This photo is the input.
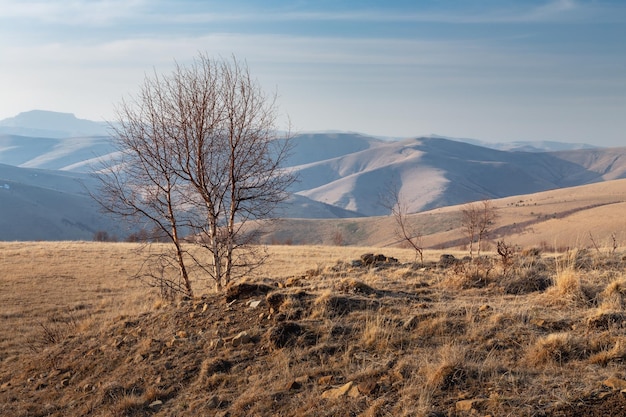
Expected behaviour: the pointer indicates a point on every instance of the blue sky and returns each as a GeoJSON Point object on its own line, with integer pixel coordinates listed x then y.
{"type": "Point", "coordinates": [496, 70]}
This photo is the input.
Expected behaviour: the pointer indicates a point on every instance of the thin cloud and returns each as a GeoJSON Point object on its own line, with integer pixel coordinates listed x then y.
{"type": "Point", "coordinates": [72, 12]}
{"type": "Point", "coordinates": [82, 12]}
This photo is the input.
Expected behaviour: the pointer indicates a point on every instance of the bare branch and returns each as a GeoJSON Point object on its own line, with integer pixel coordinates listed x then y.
{"type": "Point", "coordinates": [198, 156]}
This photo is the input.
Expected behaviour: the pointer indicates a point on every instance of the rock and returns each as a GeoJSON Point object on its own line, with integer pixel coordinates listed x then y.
{"type": "Point", "coordinates": [325, 380]}
{"type": "Point", "coordinates": [242, 290]}
{"type": "Point", "coordinates": [339, 392]}
{"type": "Point", "coordinates": [241, 339]}
{"type": "Point", "coordinates": [615, 383]}
{"type": "Point", "coordinates": [254, 304]}
{"type": "Point", "coordinates": [367, 258]}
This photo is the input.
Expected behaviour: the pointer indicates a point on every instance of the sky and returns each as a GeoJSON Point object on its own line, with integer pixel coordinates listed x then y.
{"type": "Point", "coordinates": [494, 70]}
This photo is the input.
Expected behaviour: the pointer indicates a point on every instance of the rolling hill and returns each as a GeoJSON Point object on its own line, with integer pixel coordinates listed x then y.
{"type": "Point", "coordinates": [340, 175]}
{"type": "Point", "coordinates": [583, 216]}
{"type": "Point", "coordinates": [49, 205]}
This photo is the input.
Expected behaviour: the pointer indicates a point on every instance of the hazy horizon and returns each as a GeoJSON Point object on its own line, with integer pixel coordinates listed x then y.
{"type": "Point", "coordinates": [497, 71]}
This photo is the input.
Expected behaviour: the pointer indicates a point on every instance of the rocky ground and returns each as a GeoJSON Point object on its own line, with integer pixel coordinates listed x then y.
{"type": "Point", "coordinates": [360, 338]}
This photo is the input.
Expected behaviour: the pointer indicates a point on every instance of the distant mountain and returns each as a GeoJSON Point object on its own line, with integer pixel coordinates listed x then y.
{"type": "Point", "coordinates": [48, 124]}
{"type": "Point", "coordinates": [78, 154]}
{"type": "Point", "coordinates": [50, 205]}
{"type": "Point", "coordinates": [37, 204]}
{"type": "Point", "coordinates": [523, 146]}
{"type": "Point", "coordinates": [433, 172]}
{"type": "Point", "coordinates": [340, 175]}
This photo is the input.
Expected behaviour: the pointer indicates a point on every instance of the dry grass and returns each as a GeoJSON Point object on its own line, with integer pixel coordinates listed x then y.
{"type": "Point", "coordinates": [79, 338]}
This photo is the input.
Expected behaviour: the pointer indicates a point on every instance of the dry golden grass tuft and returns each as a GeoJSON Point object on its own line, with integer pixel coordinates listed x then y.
{"type": "Point", "coordinates": [538, 338]}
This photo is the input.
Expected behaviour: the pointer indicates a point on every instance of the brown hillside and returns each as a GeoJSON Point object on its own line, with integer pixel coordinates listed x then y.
{"type": "Point", "coordinates": [567, 217]}
{"type": "Point", "coordinates": [314, 334]}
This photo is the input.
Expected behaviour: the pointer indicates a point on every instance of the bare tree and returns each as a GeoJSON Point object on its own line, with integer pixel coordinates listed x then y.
{"type": "Point", "coordinates": [477, 220]}
{"type": "Point", "coordinates": [200, 157]}
{"type": "Point", "coordinates": [395, 202]}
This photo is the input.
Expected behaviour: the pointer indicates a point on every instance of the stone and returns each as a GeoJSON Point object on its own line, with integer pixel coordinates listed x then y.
{"type": "Point", "coordinates": [615, 383]}
{"type": "Point", "coordinates": [339, 392]}
{"type": "Point", "coordinates": [325, 380]}
{"type": "Point", "coordinates": [238, 291]}
{"type": "Point", "coordinates": [241, 339]}
{"type": "Point", "coordinates": [367, 258]}
{"type": "Point", "coordinates": [254, 304]}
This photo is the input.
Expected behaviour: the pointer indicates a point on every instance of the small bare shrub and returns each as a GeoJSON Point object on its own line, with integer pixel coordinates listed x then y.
{"type": "Point", "coordinates": [506, 252]}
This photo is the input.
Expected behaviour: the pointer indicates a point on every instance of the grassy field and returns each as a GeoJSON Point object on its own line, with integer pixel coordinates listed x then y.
{"type": "Point", "coordinates": [542, 335]}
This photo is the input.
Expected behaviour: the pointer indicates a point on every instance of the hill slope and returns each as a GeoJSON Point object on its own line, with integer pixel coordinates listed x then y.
{"type": "Point", "coordinates": [341, 175]}
{"type": "Point", "coordinates": [568, 217]}
{"type": "Point", "coordinates": [340, 339]}
{"type": "Point", "coordinates": [49, 205]}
